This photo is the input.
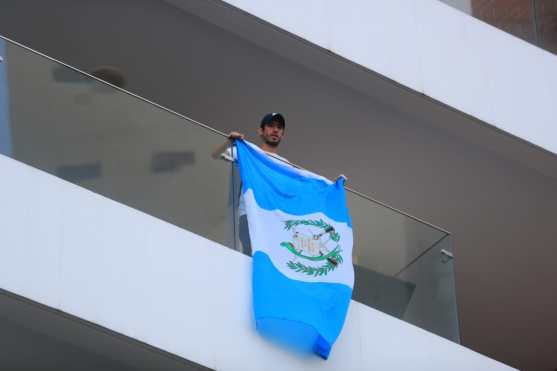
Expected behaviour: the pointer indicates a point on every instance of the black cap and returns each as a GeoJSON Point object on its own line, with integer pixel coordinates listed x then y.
{"type": "Point", "coordinates": [270, 117]}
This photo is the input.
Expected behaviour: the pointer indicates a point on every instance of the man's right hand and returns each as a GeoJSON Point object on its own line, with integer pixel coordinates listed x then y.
{"type": "Point", "coordinates": [219, 150]}
{"type": "Point", "coordinates": [235, 135]}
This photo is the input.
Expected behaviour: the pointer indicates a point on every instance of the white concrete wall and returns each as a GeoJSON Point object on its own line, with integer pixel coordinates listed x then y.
{"type": "Point", "coordinates": [94, 258]}
{"type": "Point", "coordinates": [436, 50]}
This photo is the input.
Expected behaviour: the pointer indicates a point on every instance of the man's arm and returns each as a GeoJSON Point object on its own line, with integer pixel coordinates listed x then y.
{"type": "Point", "coordinates": [220, 149]}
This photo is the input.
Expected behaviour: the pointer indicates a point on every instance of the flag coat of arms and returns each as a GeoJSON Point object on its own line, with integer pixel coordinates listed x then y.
{"type": "Point", "coordinates": [301, 238]}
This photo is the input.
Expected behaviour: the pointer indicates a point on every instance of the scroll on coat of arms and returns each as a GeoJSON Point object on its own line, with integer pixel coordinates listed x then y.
{"type": "Point", "coordinates": [301, 237]}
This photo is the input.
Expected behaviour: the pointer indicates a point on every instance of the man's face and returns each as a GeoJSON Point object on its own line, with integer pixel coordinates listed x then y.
{"type": "Point", "coordinates": [272, 133]}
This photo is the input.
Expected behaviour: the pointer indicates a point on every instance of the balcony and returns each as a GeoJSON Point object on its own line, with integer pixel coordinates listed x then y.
{"type": "Point", "coordinates": [93, 136]}
{"type": "Point", "coordinates": [157, 161]}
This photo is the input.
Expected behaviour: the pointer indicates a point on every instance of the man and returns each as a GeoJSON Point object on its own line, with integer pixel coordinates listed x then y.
{"type": "Point", "coordinates": [271, 132]}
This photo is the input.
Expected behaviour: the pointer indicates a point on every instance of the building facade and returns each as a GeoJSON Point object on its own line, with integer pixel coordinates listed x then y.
{"type": "Point", "coordinates": [434, 113]}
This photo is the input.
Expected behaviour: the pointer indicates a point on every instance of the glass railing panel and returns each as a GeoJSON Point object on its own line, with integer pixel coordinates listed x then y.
{"type": "Point", "coordinates": [385, 240]}
{"type": "Point", "coordinates": [91, 134]}
{"type": "Point", "coordinates": [433, 303]}
{"type": "Point", "coordinates": [137, 153]}
{"type": "Point", "coordinates": [391, 252]}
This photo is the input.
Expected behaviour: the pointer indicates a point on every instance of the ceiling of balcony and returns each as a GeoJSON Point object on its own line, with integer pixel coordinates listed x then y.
{"type": "Point", "coordinates": [34, 337]}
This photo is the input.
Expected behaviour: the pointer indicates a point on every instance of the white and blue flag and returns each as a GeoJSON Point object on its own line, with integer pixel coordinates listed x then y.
{"type": "Point", "coordinates": [301, 237]}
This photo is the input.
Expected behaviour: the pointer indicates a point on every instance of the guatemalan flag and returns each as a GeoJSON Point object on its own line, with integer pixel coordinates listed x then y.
{"type": "Point", "coordinates": [301, 238]}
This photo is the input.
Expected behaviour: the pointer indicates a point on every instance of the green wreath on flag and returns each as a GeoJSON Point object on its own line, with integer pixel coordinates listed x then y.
{"type": "Point", "coordinates": [316, 271]}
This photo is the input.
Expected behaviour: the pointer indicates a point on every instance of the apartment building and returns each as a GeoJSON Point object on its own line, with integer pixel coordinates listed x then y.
{"type": "Point", "coordinates": [120, 247]}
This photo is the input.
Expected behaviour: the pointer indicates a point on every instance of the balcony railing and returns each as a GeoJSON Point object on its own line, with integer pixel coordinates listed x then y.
{"type": "Point", "coordinates": [72, 125]}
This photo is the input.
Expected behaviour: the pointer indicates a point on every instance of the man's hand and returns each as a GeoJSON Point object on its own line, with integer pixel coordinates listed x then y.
{"type": "Point", "coordinates": [235, 135]}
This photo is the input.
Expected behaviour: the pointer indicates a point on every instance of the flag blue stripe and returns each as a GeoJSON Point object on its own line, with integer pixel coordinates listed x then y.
{"type": "Point", "coordinates": [303, 315]}
{"type": "Point", "coordinates": [288, 190]}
